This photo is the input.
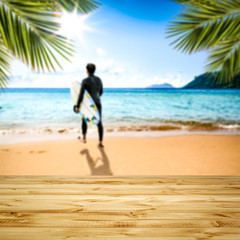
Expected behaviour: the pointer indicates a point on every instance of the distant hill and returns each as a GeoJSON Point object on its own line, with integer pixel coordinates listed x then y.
{"type": "Point", "coordinates": [164, 85]}
{"type": "Point", "coordinates": [206, 81]}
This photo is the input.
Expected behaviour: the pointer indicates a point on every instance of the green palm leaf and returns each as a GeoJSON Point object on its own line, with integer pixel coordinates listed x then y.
{"type": "Point", "coordinates": [5, 60]}
{"type": "Point", "coordinates": [212, 25]}
{"type": "Point", "coordinates": [82, 6]}
{"type": "Point", "coordinates": [29, 30]}
{"type": "Point", "coordinates": [30, 35]}
{"type": "Point", "coordinates": [225, 57]}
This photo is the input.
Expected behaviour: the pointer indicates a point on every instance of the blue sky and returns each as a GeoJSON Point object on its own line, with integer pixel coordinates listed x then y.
{"type": "Point", "coordinates": [127, 42]}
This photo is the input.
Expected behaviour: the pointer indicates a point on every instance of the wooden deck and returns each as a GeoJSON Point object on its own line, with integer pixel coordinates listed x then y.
{"type": "Point", "coordinates": [164, 207]}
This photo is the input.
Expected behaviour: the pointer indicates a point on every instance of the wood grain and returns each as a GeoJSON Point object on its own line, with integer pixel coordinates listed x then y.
{"type": "Point", "coordinates": [154, 207]}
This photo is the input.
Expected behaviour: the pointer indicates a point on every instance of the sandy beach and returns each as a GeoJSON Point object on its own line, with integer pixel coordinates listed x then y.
{"type": "Point", "coordinates": [168, 155]}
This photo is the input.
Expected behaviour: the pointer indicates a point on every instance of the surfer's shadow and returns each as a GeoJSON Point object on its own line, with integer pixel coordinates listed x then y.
{"type": "Point", "coordinates": [99, 166]}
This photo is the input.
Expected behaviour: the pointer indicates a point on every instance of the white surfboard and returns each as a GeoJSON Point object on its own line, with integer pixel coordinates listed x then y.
{"type": "Point", "coordinates": [88, 107]}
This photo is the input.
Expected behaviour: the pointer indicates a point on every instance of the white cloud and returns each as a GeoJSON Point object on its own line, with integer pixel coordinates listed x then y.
{"type": "Point", "coordinates": [112, 73]}
{"type": "Point", "coordinates": [43, 81]}
{"type": "Point", "coordinates": [101, 52]}
{"type": "Point", "coordinates": [104, 65]}
{"type": "Point", "coordinates": [108, 70]}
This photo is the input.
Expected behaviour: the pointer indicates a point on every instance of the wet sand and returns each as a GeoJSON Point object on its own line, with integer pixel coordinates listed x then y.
{"type": "Point", "coordinates": [169, 155]}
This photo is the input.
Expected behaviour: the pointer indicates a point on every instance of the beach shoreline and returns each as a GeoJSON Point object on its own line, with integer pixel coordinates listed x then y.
{"type": "Point", "coordinates": [28, 137]}
{"type": "Point", "coordinates": [182, 154]}
{"type": "Point", "coordinates": [187, 126]}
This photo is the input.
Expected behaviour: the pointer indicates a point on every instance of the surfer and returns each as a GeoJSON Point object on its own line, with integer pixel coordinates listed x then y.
{"type": "Point", "coordinates": [94, 86]}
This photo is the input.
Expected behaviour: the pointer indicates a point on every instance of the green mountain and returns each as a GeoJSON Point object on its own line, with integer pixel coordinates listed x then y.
{"type": "Point", "coordinates": [207, 80]}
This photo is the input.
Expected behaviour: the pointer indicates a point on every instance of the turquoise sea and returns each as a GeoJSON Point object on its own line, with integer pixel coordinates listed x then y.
{"type": "Point", "coordinates": [123, 109]}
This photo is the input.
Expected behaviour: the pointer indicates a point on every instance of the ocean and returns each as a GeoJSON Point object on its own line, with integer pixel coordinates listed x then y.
{"type": "Point", "coordinates": [51, 110]}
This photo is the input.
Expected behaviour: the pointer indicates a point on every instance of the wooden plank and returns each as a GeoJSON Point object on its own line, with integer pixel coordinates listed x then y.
{"type": "Point", "coordinates": [110, 187]}
{"type": "Point", "coordinates": [111, 191]}
{"type": "Point", "coordinates": [147, 198]}
{"type": "Point", "coordinates": [65, 205]}
{"type": "Point", "coordinates": [120, 233]}
{"type": "Point", "coordinates": [135, 179]}
{"type": "Point", "coordinates": [124, 215]}
{"type": "Point", "coordinates": [74, 221]}
{"type": "Point", "coordinates": [178, 180]}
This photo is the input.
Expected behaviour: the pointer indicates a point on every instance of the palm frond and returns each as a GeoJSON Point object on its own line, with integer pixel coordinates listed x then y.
{"type": "Point", "coordinates": [5, 61]}
{"type": "Point", "coordinates": [198, 28]}
{"type": "Point", "coordinates": [226, 58]}
{"type": "Point", "coordinates": [205, 24]}
{"type": "Point", "coordinates": [31, 30]}
{"type": "Point", "coordinates": [195, 2]}
{"type": "Point", "coordinates": [82, 6]}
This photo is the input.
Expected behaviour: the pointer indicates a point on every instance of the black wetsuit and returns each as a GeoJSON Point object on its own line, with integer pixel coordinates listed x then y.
{"type": "Point", "coordinates": [94, 86]}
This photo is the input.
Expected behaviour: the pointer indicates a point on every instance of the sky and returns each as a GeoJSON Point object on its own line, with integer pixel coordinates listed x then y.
{"type": "Point", "coordinates": [126, 40]}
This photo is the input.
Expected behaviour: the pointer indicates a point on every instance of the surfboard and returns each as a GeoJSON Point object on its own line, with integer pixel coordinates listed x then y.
{"type": "Point", "coordinates": [88, 108]}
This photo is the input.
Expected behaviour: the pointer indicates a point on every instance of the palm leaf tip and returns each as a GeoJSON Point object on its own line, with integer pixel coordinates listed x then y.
{"type": "Point", "coordinates": [5, 62]}
{"type": "Point", "coordinates": [81, 6]}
